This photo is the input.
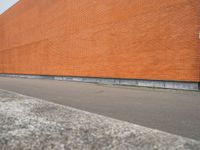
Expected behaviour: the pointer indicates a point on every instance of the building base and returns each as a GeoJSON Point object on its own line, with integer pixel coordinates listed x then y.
{"type": "Point", "coordinates": [117, 81]}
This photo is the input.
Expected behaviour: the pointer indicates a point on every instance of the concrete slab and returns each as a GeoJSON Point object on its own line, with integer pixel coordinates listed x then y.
{"type": "Point", "coordinates": [30, 123]}
{"type": "Point", "coordinates": [117, 81]}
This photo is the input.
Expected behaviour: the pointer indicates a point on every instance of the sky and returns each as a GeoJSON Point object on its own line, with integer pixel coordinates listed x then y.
{"type": "Point", "coordinates": [5, 4]}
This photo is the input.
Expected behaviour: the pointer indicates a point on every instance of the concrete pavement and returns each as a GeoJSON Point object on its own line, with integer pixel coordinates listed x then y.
{"type": "Point", "coordinates": [30, 123]}
{"type": "Point", "coordinates": [176, 112]}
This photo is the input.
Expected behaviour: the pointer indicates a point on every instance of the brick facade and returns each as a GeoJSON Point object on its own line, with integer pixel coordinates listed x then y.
{"type": "Point", "coordinates": [137, 39]}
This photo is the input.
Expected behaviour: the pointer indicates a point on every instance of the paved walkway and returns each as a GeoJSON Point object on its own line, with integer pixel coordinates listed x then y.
{"type": "Point", "coordinates": [176, 112]}
{"type": "Point", "coordinates": [30, 123]}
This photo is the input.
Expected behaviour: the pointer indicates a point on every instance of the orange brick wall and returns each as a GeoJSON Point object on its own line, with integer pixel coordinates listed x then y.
{"type": "Point", "coordinates": [140, 39]}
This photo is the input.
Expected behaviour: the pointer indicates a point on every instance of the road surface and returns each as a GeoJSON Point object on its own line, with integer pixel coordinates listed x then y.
{"type": "Point", "coordinates": [172, 111]}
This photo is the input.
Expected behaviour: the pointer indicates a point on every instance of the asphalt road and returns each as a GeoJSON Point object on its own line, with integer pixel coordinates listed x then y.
{"type": "Point", "coordinates": [172, 111]}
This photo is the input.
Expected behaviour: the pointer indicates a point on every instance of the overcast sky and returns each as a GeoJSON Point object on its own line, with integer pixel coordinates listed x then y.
{"type": "Point", "coordinates": [5, 4]}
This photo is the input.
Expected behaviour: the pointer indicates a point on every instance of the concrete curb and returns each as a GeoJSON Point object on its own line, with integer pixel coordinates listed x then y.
{"type": "Point", "coordinates": [115, 81]}
{"type": "Point", "coordinates": [30, 123]}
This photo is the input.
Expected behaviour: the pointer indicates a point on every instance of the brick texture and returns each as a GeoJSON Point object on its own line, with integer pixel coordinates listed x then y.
{"type": "Point", "coordinates": [138, 39]}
